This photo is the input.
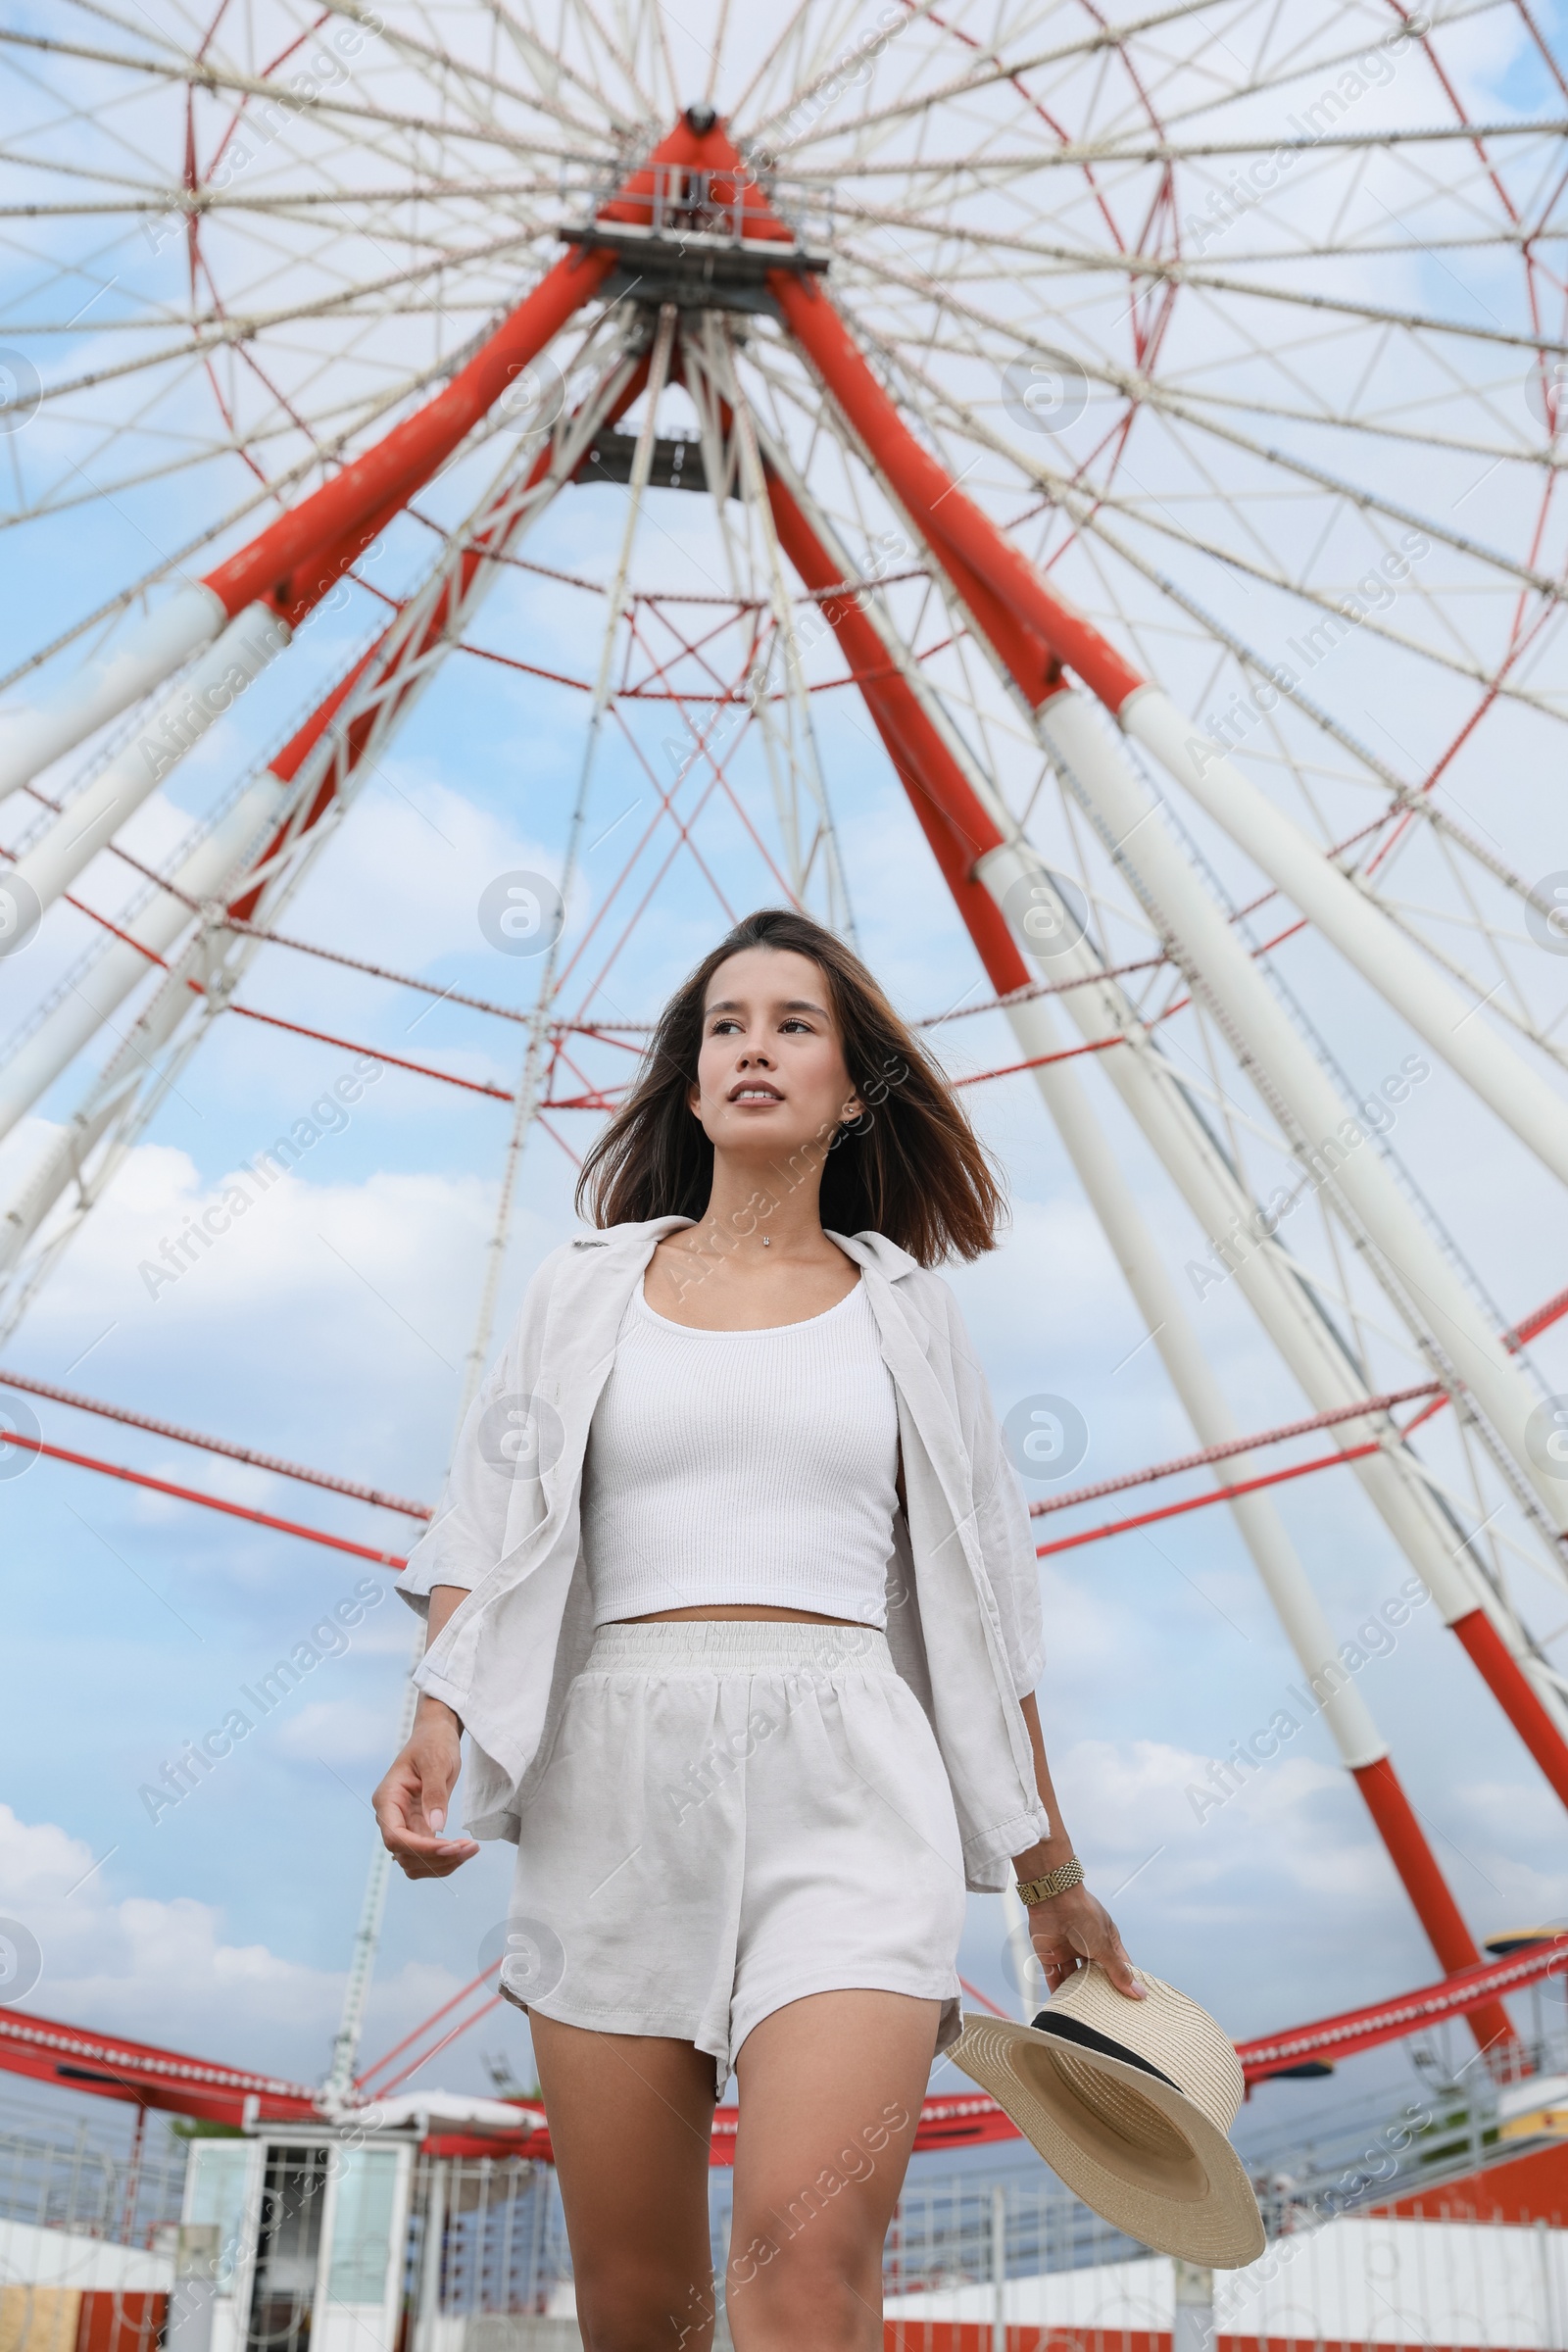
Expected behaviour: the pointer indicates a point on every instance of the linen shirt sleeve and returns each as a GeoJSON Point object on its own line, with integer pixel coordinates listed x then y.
{"type": "Point", "coordinates": [1001, 1513]}
{"type": "Point", "coordinates": [468, 1533]}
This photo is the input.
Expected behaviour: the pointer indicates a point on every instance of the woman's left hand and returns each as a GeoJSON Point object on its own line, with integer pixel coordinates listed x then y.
{"type": "Point", "coordinates": [1073, 1928]}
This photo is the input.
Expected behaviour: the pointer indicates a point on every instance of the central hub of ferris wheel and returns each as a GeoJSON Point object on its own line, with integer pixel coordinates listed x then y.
{"type": "Point", "coordinates": [692, 227]}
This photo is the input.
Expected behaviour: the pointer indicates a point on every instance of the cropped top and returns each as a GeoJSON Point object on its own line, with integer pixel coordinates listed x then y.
{"type": "Point", "coordinates": [742, 1466]}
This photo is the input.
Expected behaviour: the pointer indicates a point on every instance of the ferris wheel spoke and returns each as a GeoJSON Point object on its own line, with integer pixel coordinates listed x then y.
{"type": "Point", "coordinates": [1142, 267]}
{"type": "Point", "coordinates": [301, 202]}
{"type": "Point", "coordinates": [1072, 155]}
{"type": "Point", "coordinates": [270, 493]}
{"type": "Point", "coordinates": [991, 69]}
{"type": "Point", "coordinates": [1088, 505]}
{"type": "Point", "coordinates": [1279, 77]}
{"type": "Point", "coordinates": [218, 332]}
{"type": "Point", "coordinates": [597, 35]}
{"type": "Point", "coordinates": [460, 72]}
{"type": "Point", "coordinates": [1154, 395]}
{"type": "Point", "coordinates": [214, 77]}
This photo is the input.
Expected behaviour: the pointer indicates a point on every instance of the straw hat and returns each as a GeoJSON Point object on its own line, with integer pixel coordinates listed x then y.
{"type": "Point", "coordinates": [1129, 2102]}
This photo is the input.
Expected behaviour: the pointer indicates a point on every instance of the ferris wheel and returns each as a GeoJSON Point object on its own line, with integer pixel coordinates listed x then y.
{"type": "Point", "coordinates": [1151, 425]}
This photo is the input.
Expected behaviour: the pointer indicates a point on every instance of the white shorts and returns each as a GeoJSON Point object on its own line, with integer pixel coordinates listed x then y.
{"type": "Point", "coordinates": [735, 1813]}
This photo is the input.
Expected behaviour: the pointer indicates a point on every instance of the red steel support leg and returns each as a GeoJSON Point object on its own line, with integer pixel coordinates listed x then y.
{"type": "Point", "coordinates": [959, 831]}
{"type": "Point", "coordinates": [292, 757]}
{"type": "Point", "coordinates": [1513, 1692]}
{"type": "Point", "coordinates": [946, 519]}
{"type": "Point", "coordinates": [297, 558]}
{"type": "Point", "coordinates": [1427, 1889]}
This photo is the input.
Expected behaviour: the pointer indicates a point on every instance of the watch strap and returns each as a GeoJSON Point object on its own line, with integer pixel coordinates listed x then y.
{"type": "Point", "coordinates": [1054, 1882]}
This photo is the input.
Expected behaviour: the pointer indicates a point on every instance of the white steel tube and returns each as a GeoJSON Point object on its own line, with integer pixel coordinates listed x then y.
{"type": "Point", "coordinates": [34, 732]}
{"type": "Point", "coordinates": [60, 1037]}
{"type": "Point", "coordinates": [1356, 924]}
{"type": "Point", "coordinates": [1271, 1288]}
{"type": "Point", "coordinates": [1290, 1077]}
{"type": "Point", "coordinates": [1166, 1314]}
{"type": "Point", "coordinates": [252, 640]}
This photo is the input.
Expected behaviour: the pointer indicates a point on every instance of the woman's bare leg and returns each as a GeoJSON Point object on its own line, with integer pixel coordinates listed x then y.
{"type": "Point", "coordinates": [830, 2088]}
{"type": "Point", "coordinates": [631, 2120]}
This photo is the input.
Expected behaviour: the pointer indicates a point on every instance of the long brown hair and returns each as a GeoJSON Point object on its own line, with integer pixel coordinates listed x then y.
{"type": "Point", "coordinates": [910, 1166]}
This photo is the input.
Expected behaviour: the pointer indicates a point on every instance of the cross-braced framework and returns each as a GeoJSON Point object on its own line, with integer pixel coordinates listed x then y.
{"type": "Point", "coordinates": [1149, 428]}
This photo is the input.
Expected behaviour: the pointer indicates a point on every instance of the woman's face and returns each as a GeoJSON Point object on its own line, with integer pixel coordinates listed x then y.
{"type": "Point", "coordinates": [770, 1071]}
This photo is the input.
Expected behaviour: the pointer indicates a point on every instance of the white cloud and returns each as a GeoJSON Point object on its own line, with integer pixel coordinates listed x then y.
{"type": "Point", "coordinates": [164, 1971]}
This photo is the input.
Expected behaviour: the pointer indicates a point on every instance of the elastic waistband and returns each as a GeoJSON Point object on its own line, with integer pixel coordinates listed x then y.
{"type": "Point", "coordinates": [737, 1645]}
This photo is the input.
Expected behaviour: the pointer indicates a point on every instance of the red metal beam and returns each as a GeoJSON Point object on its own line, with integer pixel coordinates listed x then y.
{"type": "Point", "coordinates": [1229, 1447]}
{"type": "Point", "coordinates": [1357, 2030]}
{"type": "Point", "coordinates": [296, 559]}
{"type": "Point", "coordinates": [111, 2067]}
{"type": "Point", "coordinates": [224, 1445]}
{"type": "Point", "coordinates": [362, 2082]}
{"type": "Point", "coordinates": [971, 546]}
{"type": "Point", "coordinates": [1517, 1695]}
{"type": "Point", "coordinates": [396, 1061]}
{"type": "Point", "coordinates": [1202, 1503]}
{"type": "Point", "coordinates": [208, 1502]}
{"type": "Point", "coordinates": [491, 541]}
{"type": "Point", "coordinates": [1428, 1893]}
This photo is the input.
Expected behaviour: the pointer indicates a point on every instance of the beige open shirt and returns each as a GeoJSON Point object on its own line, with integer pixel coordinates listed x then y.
{"type": "Point", "coordinates": [963, 1592]}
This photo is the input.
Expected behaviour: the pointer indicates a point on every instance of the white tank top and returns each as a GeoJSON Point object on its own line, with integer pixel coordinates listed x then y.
{"type": "Point", "coordinates": [742, 1466]}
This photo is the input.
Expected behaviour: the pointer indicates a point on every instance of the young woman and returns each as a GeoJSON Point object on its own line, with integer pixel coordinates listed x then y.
{"type": "Point", "coordinates": [734, 1592]}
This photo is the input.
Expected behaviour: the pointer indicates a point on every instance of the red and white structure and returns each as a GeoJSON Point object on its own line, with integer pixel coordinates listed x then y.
{"type": "Point", "coordinates": [1029, 399]}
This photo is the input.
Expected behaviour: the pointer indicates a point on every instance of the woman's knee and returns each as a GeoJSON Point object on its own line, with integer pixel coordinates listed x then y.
{"type": "Point", "coordinates": [827, 2293]}
{"type": "Point", "coordinates": [626, 2303]}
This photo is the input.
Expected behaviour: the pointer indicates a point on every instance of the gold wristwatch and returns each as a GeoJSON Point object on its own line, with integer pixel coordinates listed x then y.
{"type": "Point", "coordinates": [1055, 1881]}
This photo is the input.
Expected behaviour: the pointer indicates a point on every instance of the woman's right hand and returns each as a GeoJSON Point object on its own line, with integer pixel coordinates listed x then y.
{"type": "Point", "coordinates": [410, 1803]}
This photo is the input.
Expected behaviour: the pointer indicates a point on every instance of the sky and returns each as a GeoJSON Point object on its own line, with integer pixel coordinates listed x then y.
{"type": "Point", "coordinates": [329, 1328]}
